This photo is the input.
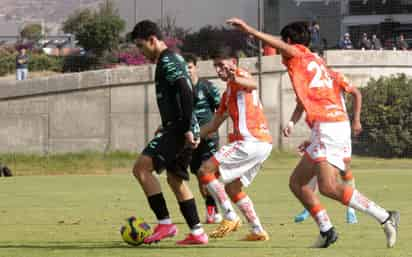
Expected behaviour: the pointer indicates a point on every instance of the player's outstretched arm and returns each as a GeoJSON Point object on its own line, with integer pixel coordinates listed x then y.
{"type": "Point", "coordinates": [296, 115]}
{"type": "Point", "coordinates": [285, 49]}
{"type": "Point", "coordinates": [357, 106]}
{"type": "Point", "coordinates": [212, 126]}
{"type": "Point", "coordinates": [246, 82]}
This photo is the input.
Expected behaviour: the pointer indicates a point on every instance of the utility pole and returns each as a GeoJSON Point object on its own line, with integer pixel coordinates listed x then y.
{"type": "Point", "coordinates": [260, 28]}
{"type": "Point", "coordinates": [134, 13]}
{"type": "Point", "coordinates": [161, 14]}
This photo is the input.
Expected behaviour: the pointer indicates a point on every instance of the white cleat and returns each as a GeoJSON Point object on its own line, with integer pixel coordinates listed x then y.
{"type": "Point", "coordinates": [390, 227]}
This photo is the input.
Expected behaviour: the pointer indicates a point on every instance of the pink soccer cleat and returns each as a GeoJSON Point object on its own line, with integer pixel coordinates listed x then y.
{"type": "Point", "coordinates": [191, 239]}
{"type": "Point", "coordinates": [160, 232]}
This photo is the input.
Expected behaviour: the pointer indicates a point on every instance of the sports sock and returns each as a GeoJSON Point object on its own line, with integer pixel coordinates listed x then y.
{"type": "Point", "coordinates": [189, 212]}
{"type": "Point", "coordinates": [245, 204]}
{"type": "Point", "coordinates": [158, 205]}
{"type": "Point", "coordinates": [217, 190]}
{"type": "Point", "coordinates": [354, 199]}
{"type": "Point", "coordinates": [349, 180]}
{"type": "Point", "coordinates": [321, 217]}
{"type": "Point", "coordinates": [211, 202]}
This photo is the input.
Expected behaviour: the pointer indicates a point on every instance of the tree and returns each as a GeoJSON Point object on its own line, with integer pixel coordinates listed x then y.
{"type": "Point", "coordinates": [32, 32]}
{"type": "Point", "coordinates": [204, 42]}
{"type": "Point", "coordinates": [97, 31]}
{"type": "Point", "coordinates": [76, 21]}
{"type": "Point", "coordinates": [386, 118]}
{"type": "Point", "coordinates": [171, 30]}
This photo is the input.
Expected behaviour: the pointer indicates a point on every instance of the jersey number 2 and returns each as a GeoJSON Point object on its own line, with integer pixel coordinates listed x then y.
{"type": "Point", "coordinates": [321, 78]}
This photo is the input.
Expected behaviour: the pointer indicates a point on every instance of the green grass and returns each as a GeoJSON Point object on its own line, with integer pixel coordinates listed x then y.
{"type": "Point", "coordinates": [80, 215]}
{"type": "Point", "coordinates": [75, 163]}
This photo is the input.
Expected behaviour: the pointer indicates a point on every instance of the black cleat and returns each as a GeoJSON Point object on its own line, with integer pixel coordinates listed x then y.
{"type": "Point", "coordinates": [325, 239]}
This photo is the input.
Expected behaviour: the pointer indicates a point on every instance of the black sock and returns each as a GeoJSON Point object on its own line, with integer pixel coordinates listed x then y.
{"type": "Point", "coordinates": [210, 201]}
{"type": "Point", "coordinates": [158, 204]}
{"type": "Point", "coordinates": [189, 212]}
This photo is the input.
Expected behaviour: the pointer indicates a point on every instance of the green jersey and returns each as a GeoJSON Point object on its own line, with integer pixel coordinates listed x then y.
{"type": "Point", "coordinates": [172, 81]}
{"type": "Point", "coordinates": [206, 101]}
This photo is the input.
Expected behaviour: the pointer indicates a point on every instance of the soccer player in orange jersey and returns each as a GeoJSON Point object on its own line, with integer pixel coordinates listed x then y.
{"type": "Point", "coordinates": [346, 175]}
{"type": "Point", "coordinates": [317, 89]}
{"type": "Point", "coordinates": [237, 163]}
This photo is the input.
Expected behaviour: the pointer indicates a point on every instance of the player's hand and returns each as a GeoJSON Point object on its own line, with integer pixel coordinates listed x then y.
{"type": "Point", "coordinates": [356, 127]}
{"type": "Point", "coordinates": [239, 24]}
{"type": "Point", "coordinates": [231, 73]}
{"type": "Point", "coordinates": [158, 130]}
{"type": "Point", "coordinates": [191, 140]}
{"type": "Point", "coordinates": [287, 131]}
{"type": "Point", "coordinates": [302, 147]}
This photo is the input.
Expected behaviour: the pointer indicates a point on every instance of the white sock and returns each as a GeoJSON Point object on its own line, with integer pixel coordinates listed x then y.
{"type": "Point", "coordinates": [165, 221]}
{"type": "Point", "coordinates": [197, 230]}
{"type": "Point", "coordinates": [217, 190]}
{"type": "Point", "coordinates": [361, 203]}
{"type": "Point", "coordinates": [323, 220]}
{"type": "Point", "coordinates": [246, 207]}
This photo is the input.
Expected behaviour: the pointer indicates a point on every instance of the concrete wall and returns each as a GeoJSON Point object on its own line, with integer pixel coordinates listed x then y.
{"type": "Point", "coordinates": [115, 109]}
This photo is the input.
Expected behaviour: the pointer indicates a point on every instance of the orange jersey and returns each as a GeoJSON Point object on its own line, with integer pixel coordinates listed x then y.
{"type": "Point", "coordinates": [318, 89]}
{"type": "Point", "coordinates": [246, 112]}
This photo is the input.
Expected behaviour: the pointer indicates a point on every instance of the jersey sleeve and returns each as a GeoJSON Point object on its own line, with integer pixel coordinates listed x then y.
{"type": "Point", "coordinates": [341, 81]}
{"type": "Point", "coordinates": [243, 74]}
{"type": "Point", "coordinates": [172, 68]}
{"type": "Point", "coordinates": [222, 107]}
{"type": "Point", "coordinates": [214, 96]}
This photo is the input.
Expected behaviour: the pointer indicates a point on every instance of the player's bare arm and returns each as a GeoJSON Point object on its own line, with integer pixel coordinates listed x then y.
{"type": "Point", "coordinates": [212, 126]}
{"type": "Point", "coordinates": [286, 49]}
{"type": "Point", "coordinates": [296, 115]}
{"type": "Point", "coordinates": [357, 106]}
{"type": "Point", "coordinates": [246, 82]}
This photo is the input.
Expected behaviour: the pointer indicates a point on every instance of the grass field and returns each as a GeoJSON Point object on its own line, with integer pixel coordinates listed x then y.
{"type": "Point", "coordinates": [80, 214]}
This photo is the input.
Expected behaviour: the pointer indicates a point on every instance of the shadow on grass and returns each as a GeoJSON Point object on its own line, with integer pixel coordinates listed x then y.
{"type": "Point", "coordinates": [121, 245]}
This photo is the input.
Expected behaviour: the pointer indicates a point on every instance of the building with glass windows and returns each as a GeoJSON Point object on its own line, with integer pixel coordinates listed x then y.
{"type": "Point", "coordinates": [385, 18]}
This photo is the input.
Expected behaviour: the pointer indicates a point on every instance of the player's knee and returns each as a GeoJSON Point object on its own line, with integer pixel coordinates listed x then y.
{"type": "Point", "coordinates": [293, 184]}
{"type": "Point", "coordinates": [141, 167]}
{"type": "Point", "coordinates": [233, 188]}
{"type": "Point", "coordinates": [206, 168]}
{"type": "Point", "coordinates": [173, 181]}
{"type": "Point", "coordinates": [327, 189]}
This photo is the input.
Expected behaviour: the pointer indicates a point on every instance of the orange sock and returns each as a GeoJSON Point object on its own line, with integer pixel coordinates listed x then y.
{"type": "Point", "coordinates": [348, 175]}
{"type": "Point", "coordinates": [321, 217]}
{"type": "Point", "coordinates": [206, 179]}
{"type": "Point", "coordinates": [347, 195]}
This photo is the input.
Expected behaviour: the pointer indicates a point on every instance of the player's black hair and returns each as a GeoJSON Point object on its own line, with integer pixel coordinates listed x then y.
{"type": "Point", "coordinates": [190, 57]}
{"type": "Point", "coordinates": [298, 33]}
{"type": "Point", "coordinates": [222, 52]}
{"type": "Point", "coordinates": [145, 29]}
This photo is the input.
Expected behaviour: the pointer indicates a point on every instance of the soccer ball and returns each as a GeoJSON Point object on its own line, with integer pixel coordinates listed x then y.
{"type": "Point", "coordinates": [135, 231]}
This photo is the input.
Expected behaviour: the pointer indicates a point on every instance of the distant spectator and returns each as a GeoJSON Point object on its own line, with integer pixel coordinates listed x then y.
{"type": "Point", "coordinates": [346, 42]}
{"type": "Point", "coordinates": [323, 46]}
{"type": "Point", "coordinates": [376, 43]}
{"type": "Point", "coordinates": [268, 50]}
{"type": "Point", "coordinates": [365, 43]}
{"type": "Point", "coordinates": [252, 48]}
{"type": "Point", "coordinates": [401, 44]}
{"type": "Point", "coordinates": [22, 64]}
{"type": "Point", "coordinates": [315, 44]}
